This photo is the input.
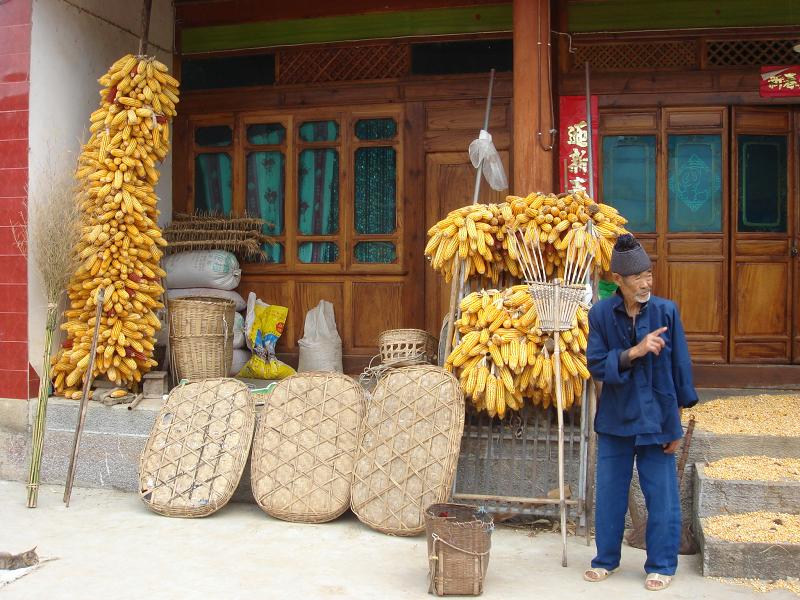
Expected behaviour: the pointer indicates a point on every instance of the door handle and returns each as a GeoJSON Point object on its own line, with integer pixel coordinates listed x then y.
{"type": "Point", "coordinates": [794, 251]}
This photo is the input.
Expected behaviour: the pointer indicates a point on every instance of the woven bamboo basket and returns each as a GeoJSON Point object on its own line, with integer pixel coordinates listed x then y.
{"type": "Point", "coordinates": [197, 450]}
{"type": "Point", "coordinates": [459, 540]}
{"type": "Point", "coordinates": [201, 337]}
{"type": "Point", "coordinates": [305, 447]}
{"type": "Point", "coordinates": [402, 347]}
{"type": "Point", "coordinates": [408, 448]}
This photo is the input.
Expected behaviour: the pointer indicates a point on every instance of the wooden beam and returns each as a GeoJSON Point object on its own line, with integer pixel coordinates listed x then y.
{"type": "Point", "coordinates": [370, 26]}
{"type": "Point", "coordinates": [533, 103]}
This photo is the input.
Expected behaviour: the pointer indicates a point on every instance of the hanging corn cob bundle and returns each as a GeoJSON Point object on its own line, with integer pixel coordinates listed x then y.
{"type": "Point", "coordinates": [504, 357]}
{"type": "Point", "coordinates": [121, 243]}
{"type": "Point", "coordinates": [478, 234]}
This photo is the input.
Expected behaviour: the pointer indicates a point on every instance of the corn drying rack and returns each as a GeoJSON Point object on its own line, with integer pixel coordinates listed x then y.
{"type": "Point", "coordinates": [523, 444]}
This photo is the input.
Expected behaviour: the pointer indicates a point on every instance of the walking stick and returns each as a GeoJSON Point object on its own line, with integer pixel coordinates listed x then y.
{"type": "Point", "coordinates": [87, 384]}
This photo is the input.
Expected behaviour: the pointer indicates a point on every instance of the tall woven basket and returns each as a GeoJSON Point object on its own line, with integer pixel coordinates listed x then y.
{"type": "Point", "coordinates": [402, 347]}
{"type": "Point", "coordinates": [201, 337]}
{"type": "Point", "coordinates": [459, 539]}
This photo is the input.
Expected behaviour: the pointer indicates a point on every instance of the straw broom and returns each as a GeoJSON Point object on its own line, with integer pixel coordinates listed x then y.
{"type": "Point", "coordinates": [52, 234]}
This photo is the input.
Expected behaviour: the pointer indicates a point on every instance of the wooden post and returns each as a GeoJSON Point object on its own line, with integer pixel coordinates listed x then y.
{"type": "Point", "coordinates": [146, 6]}
{"type": "Point", "coordinates": [533, 102]}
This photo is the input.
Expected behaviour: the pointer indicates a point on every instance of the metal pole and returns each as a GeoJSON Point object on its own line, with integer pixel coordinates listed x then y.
{"type": "Point", "coordinates": [87, 384]}
{"type": "Point", "coordinates": [589, 130]}
{"type": "Point", "coordinates": [459, 274]}
{"type": "Point", "coordinates": [486, 114]}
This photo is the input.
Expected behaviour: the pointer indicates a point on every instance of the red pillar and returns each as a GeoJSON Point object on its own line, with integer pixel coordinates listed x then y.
{"type": "Point", "coordinates": [15, 52]}
{"type": "Point", "coordinates": [533, 164]}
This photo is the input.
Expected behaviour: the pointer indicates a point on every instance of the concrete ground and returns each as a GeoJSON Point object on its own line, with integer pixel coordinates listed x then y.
{"type": "Point", "coordinates": [110, 546]}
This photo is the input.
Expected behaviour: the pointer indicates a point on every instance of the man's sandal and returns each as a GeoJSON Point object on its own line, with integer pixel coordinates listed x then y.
{"type": "Point", "coordinates": [656, 582]}
{"type": "Point", "coordinates": [597, 574]}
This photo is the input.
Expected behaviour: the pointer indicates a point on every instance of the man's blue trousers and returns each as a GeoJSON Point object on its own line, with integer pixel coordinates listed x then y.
{"type": "Point", "coordinates": [659, 481]}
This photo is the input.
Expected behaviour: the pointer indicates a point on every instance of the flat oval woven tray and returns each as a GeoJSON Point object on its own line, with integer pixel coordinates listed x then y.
{"type": "Point", "coordinates": [197, 450]}
{"type": "Point", "coordinates": [408, 448]}
{"type": "Point", "coordinates": [305, 446]}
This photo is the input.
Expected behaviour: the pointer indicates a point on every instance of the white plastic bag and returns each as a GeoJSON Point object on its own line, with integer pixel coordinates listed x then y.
{"type": "Point", "coordinates": [240, 358]}
{"type": "Point", "coordinates": [238, 301]}
{"type": "Point", "coordinates": [320, 346]}
{"type": "Point", "coordinates": [202, 268]}
{"type": "Point", "coordinates": [483, 151]}
{"type": "Point", "coordinates": [238, 332]}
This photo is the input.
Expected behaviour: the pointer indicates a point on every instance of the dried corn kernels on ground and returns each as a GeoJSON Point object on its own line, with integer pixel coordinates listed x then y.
{"type": "Point", "coordinates": [754, 468]}
{"type": "Point", "coordinates": [121, 244]}
{"type": "Point", "coordinates": [479, 234]}
{"type": "Point", "coordinates": [764, 414]}
{"type": "Point", "coordinates": [764, 527]}
{"type": "Point", "coordinates": [503, 357]}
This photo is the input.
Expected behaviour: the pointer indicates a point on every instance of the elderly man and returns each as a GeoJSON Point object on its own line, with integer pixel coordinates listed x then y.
{"type": "Point", "coordinates": [637, 348]}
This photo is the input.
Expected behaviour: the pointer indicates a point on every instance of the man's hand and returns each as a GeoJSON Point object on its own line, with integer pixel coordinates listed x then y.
{"type": "Point", "coordinates": [671, 447]}
{"type": "Point", "coordinates": [652, 342]}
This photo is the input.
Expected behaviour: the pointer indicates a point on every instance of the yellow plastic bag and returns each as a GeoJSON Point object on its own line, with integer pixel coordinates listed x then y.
{"type": "Point", "coordinates": [264, 325]}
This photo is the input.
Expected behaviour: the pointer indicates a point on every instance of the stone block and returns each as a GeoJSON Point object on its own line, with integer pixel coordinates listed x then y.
{"type": "Point", "coordinates": [752, 560]}
{"type": "Point", "coordinates": [725, 496]}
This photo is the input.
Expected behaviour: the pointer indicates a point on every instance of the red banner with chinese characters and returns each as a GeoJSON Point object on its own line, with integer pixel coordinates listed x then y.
{"type": "Point", "coordinates": [573, 144]}
{"type": "Point", "coordinates": [780, 82]}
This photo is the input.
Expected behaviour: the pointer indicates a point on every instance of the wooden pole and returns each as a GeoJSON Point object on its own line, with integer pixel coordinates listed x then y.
{"type": "Point", "coordinates": [87, 384]}
{"type": "Point", "coordinates": [146, 7]}
{"type": "Point", "coordinates": [589, 125]}
{"type": "Point", "coordinates": [534, 166]}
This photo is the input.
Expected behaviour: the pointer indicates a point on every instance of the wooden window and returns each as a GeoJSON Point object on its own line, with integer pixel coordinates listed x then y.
{"type": "Point", "coordinates": [629, 178]}
{"type": "Point", "coordinates": [326, 182]}
{"type": "Point", "coordinates": [694, 175]}
{"type": "Point", "coordinates": [762, 183]}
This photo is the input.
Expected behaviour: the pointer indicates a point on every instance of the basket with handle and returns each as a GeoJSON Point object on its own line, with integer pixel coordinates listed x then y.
{"type": "Point", "coordinates": [459, 539]}
{"type": "Point", "coordinates": [401, 347]}
{"type": "Point", "coordinates": [201, 337]}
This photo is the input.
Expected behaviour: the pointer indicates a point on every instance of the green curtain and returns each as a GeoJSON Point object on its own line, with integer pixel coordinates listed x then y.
{"type": "Point", "coordinates": [318, 203]}
{"type": "Point", "coordinates": [266, 188]}
{"type": "Point", "coordinates": [213, 187]}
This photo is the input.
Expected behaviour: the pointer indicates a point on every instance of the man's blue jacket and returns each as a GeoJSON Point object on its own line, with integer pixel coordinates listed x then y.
{"type": "Point", "coordinates": [642, 400]}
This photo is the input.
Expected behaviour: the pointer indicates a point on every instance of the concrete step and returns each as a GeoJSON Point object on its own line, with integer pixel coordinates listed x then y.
{"type": "Point", "coordinates": [725, 496]}
{"type": "Point", "coordinates": [707, 447]}
{"type": "Point", "coordinates": [751, 560]}
{"type": "Point", "coordinates": [112, 442]}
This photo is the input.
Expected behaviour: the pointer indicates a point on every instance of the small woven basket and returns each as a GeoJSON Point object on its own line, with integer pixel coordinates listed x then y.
{"type": "Point", "coordinates": [401, 347]}
{"type": "Point", "coordinates": [201, 337]}
{"type": "Point", "coordinates": [459, 539]}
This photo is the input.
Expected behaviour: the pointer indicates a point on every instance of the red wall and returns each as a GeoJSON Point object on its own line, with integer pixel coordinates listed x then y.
{"type": "Point", "coordinates": [15, 46]}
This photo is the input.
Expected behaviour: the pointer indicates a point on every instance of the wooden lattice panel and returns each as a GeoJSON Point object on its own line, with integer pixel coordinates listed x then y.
{"type": "Point", "coordinates": [347, 63]}
{"type": "Point", "coordinates": [641, 55]}
{"type": "Point", "coordinates": [744, 53]}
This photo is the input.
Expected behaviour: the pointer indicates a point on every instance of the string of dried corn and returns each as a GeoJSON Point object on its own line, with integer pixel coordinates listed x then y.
{"type": "Point", "coordinates": [121, 243]}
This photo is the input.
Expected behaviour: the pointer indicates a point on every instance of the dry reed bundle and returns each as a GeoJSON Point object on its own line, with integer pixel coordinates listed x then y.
{"type": "Point", "coordinates": [242, 235]}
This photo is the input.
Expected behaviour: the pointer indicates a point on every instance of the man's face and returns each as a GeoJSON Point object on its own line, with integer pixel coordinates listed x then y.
{"type": "Point", "coordinates": [635, 287]}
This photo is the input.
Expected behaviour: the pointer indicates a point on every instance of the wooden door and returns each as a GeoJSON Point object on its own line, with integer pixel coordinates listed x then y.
{"type": "Point", "coordinates": [693, 221]}
{"type": "Point", "coordinates": [763, 223]}
{"type": "Point", "coordinates": [449, 184]}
